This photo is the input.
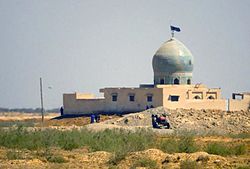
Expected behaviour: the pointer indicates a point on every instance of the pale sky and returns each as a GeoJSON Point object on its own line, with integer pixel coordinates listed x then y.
{"type": "Point", "coordinates": [85, 45]}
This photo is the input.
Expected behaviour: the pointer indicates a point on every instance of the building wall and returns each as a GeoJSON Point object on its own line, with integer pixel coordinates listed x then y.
{"type": "Point", "coordinates": [192, 96]}
{"type": "Point", "coordinates": [73, 105]}
{"type": "Point", "coordinates": [124, 105]}
{"type": "Point", "coordinates": [238, 105]}
{"type": "Point", "coordinates": [189, 97]}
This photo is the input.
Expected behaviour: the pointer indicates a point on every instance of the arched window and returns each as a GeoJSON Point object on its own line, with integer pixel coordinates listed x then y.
{"type": "Point", "coordinates": [162, 81]}
{"type": "Point", "coordinates": [188, 81]}
{"type": "Point", "coordinates": [197, 97]}
{"type": "Point", "coordinates": [176, 81]}
{"type": "Point", "coordinates": [190, 62]}
{"type": "Point", "coordinates": [211, 97]}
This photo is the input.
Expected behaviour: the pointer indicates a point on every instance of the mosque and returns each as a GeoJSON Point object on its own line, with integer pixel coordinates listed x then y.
{"type": "Point", "coordinates": [172, 88]}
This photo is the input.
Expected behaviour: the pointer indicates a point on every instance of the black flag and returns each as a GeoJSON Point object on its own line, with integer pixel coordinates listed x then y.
{"type": "Point", "coordinates": [173, 28]}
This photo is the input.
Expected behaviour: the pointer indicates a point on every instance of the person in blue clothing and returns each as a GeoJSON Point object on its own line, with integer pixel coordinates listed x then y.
{"type": "Point", "coordinates": [160, 122]}
{"type": "Point", "coordinates": [154, 121]}
{"type": "Point", "coordinates": [97, 118]}
{"type": "Point", "coordinates": [92, 118]}
{"type": "Point", "coordinates": [61, 111]}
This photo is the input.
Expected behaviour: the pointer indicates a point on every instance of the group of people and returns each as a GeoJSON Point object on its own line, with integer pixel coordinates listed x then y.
{"type": "Point", "coordinates": [160, 122]}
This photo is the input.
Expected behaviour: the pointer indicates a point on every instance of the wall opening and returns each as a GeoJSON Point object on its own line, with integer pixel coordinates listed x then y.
{"type": "Point", "coordinates": [211, 98]}
{"type": "Point", "coordinates": [114, 97]}
{"type": "Point", "coordinates": [131, 98]}
{"type": "Point", "coordinates": [162, 81]}
{"type": "Point", "coordinates": [149, 98]}
{"type": "Point", "coordinates": [238, 96]}
{"type": "Point", "coordinates": [197, 97]}
{"type": "Point", "coordinates": [188, 81]}
{"type": "Point", "coordinates": [174, 98]}
{"type": "Point", "coordinates": [176, 81]}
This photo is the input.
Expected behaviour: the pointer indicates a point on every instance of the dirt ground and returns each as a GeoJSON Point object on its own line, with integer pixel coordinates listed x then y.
{"type": "Point", "coordinates": [35, 119]}
{"type": "Point", "coordinates": [82, 158]}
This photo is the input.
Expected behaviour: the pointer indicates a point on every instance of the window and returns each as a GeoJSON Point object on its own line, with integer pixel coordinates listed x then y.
{"type": "Point", "coordinates": [149, 98]}
{"type": "Point", "coordinates": [114, 97]}
{"type": "Point", "coordinates": [132, 98]}
{"type": "Point", "coordinates": [174, 98]}
{"type": "Point", "coordinates": [211, 97]}
{"type": "Point", "coordinates": [238, 96]}
{"type": "Point", "coordinates": [190, 62]}
{"type": "Point", "coordinates": [188, 81]}
{"type": "Point", "coordinates": [162, 81]}
{"type": "Point", "coordinates": [197, 97]}
{"type": "Point", "coordinates": [176, 81]}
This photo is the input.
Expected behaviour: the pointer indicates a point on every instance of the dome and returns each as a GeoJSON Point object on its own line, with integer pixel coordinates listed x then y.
{"type": "Point", "coordinates": [173, 63]}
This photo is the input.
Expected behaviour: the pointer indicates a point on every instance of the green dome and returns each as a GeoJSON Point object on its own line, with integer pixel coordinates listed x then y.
{"type": "Point", "coordinates": [173, 63]}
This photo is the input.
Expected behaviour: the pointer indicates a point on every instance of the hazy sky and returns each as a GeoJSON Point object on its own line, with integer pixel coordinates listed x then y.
{"type": "Point", "coordinates": [84, 45]}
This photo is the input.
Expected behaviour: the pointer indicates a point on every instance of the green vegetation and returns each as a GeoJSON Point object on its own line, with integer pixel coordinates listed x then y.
{"type": "Point", "coordinates": [108, 140]}
{"type": "Point", "coordinates": [14, 155]}
{"type": "Point", "coordinates": [119, 142]}
{"type": "Point", "coordinates": [225, 150]}
{"type": "Point", "coordinates": [181, 144]}
{"type": "Point", "coordinates": [56, 159]}
{"type": "Point", "coordinates": [187, 144]}
{"type": "Point", "coordinates": [240, 135]}
{"type": "Point", "coordinates": [169, 145]}
{"type": "Point", "coordinates": [188, 164]}
{"type": "Point", "coordinates": [145, 162]}
{"type": "Point", "coordinates": [244, 167]}
{"type": "Point", "coordinates": [17, 123]}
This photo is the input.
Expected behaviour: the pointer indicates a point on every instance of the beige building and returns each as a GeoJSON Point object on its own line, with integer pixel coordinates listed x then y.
{"type": "Point", "coordinates": [239, 102]}
{"type": "Point", "coordinates": [172, 88]}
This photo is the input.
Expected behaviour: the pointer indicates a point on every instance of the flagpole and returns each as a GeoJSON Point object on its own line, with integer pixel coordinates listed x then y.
{"type": "Point", "coordinates": [41, 93]}
{"type": "Point", "coordinates": [172, 33]}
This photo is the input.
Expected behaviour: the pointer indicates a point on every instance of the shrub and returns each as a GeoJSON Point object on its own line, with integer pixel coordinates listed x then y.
{"type": "Point", "coordinates": [188, 164]}
{"type": "Point", "coordinates": [117, 157]}
{"type": "Point", "coordinates": [187, 144]}
{"type": "Point", "coordinates": [169, 146]}
{"type": "Point", "coordinates": [68, 140]}
{"type": "Point", "coordinates": [240, 135]}
{"type": "Point", "coordinates": [56, 159]}
{"type": "Point", "coordinates": [108, 140]}
{"type": "Point", "coordinates": [224, 150]}
{"type": "Point", "coordinates": [122, 142]}
{"type": "Point", "coordinates": [145, 162]}
{"type": "Point", "coordinates": [239, 149]}
{"type": "Point", "coordinates": [14, 155]}
{"type": "Point", "coordinates": [244, 167]}
{"type": "Point", "coordinates": [218, 149]}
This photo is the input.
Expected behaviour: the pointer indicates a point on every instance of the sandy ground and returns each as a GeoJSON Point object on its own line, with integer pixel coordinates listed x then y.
{"type": "Point", "coordinates": [15, 116]}
{"type": "Point", "coordinates": [82, 158]}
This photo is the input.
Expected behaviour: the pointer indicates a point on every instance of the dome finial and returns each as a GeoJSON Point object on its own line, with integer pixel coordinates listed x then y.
{"type": "Point", "coordinates": [172, 33]}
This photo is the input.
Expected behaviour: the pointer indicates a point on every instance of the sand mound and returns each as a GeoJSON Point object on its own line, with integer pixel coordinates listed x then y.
{"type": "Point", "coordinates": [200, 121]}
